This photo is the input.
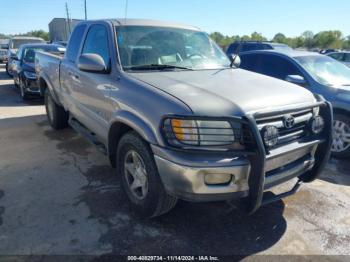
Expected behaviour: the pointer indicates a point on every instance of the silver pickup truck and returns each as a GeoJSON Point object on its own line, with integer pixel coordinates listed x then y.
{"type": "Point", "coordinates": [178, 119]}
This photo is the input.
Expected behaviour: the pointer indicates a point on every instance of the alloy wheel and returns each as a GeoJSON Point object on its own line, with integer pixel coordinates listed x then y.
{"type": "Point", "coordinates": [136, 174]}
{"type": "Point", "coordinates": [341, 136]}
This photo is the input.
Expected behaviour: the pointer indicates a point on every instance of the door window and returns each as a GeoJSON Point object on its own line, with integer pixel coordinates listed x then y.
{"type": "Point", "coordinates": [74, 43]}
{"type": "Point", "coordinates": [337, 56]}
{"type": "Point", "coordinates": [97, 42]}
{"type": "Point", "coordinates": [277, 67]}
{"type": "Point", "coordinates": [347, 57]}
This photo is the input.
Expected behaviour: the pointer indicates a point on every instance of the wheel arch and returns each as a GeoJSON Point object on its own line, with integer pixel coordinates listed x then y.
{"type": "Point", "coordinates": [123, 123]}
{"type": "Point", "coordinates": [45, 83]}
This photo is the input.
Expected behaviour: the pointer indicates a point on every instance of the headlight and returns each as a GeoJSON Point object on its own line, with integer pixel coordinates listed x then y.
{"type": "Point", "coordinates": [30, 75]}
{"type": "Point", "coordinates": [270, 136]}
{"type": "Point", "coordinates": [316, 124]}
{"type": "Point", "coordinates": [204, 133]}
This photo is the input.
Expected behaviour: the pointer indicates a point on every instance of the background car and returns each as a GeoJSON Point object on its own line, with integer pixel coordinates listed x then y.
{"type": "Point", "coordinates": [318, 73]}
{"type": "Point", "coordinates": [327, 51]}
{"type": "Point", "coordinates": [62, 43]}
{"type": "Point", "coordinates": [24, 67]}
{"type": "Point", "coordinates": [245, 46]}
{"type": "Point", "coordinates": [3, 52]}
{"type": "Point", "coordinates": [14, 44]}
{"type": "Point", "coordinates": [343, 57]}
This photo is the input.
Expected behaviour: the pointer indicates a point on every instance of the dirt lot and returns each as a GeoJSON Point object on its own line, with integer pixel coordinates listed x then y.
{"type": "Point", "coordinates": [58, 195]}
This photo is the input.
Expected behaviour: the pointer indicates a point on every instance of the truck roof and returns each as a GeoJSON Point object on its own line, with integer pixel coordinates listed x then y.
{"type": "Point", "coordinates": [147, 22]}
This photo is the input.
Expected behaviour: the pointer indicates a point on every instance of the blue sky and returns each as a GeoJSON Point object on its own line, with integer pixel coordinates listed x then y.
{"type": "Point", "coordinates": [268, 17]}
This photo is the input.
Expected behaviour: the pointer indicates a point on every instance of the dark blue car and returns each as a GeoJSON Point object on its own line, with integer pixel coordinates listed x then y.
{"type": "Point", "coordinates": [318, 73]}
{"type": "Point", "coordinates": [245, 46]}
{"type": "Point", "coordinates": [24, 67]}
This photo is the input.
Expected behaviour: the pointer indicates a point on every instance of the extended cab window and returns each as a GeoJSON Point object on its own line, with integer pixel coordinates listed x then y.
{"type": "Point", "coordinates": [97, 42]}
{"type": "Point", "coordinates": [74, 43]}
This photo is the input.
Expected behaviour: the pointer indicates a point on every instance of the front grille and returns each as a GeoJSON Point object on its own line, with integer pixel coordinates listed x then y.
{"type": "Point", "coordinates": [288, 135]}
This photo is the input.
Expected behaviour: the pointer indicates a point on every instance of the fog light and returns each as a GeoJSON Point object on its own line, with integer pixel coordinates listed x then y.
{"type": "Point", "coordinates": [270, 135]}
{"type": "Point", "coordinates": [217, 179]}
{"type": "Point", "coordinates": [316, 124]}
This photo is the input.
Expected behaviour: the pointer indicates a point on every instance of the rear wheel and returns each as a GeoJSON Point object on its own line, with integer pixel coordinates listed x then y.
{"type": "Point", "coordinates": [341, 136]}
{"type": "Point", "coordinates": [56, 115]}
{"type": "Point", "coordinates": [140, 178]}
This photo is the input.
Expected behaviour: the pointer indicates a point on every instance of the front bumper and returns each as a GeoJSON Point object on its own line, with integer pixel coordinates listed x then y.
{"type": "Point", "coordinates": [184, 174]}
{"type": "Point", "coordinates": [31, 86]}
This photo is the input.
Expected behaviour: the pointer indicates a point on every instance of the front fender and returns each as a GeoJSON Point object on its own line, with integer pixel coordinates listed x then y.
{"type": "Point", "coordinates": [143, 128]}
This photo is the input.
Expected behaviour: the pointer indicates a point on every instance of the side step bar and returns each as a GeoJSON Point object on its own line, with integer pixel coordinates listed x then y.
{"type": "Point", "coordinates": [87, 134]}
{"type": "Point", "coordinates": [269, 200]}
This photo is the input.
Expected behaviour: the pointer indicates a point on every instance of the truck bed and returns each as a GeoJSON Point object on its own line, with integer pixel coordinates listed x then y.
{"type": "Point", "coordinates": [47, 65]}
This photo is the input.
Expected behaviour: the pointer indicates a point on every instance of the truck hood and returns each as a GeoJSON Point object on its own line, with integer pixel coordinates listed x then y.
{"type": "Point", "coordinates": [227, 92]}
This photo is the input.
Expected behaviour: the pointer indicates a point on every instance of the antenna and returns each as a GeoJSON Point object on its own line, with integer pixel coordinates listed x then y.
{"type": "Point", "coordinates": [68, 19]}
{"type": "Point", "coordinates": [85, 9]}
{"type": "Point", "coordinates": [126, 9]}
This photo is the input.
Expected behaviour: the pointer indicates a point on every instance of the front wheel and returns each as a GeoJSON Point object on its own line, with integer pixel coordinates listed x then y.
{"type": "Point", "coordinates": [341, 136]}
{"type": "Point", "coordinates": [56, 115]}
{"type": "Point", "coordinates": [9, 73]}
{"type": "Point", "coordinates": [140, 179]}
{"type": "Point", "coordinates": [22, 88]}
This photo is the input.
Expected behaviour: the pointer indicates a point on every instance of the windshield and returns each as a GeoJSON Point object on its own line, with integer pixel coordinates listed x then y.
{"type": "Point", "coordinates": [16, 43]}
{"type": "Point", "coordinates": [325, 70]}
{"type": "Point", "coordinates": [29, 53]}
{"type": "Point", "coordinates": [142, 46]}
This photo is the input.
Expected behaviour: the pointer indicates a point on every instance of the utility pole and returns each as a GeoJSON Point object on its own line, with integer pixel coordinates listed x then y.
{"type": "Point", "coordinates": [85, 9]}
{"type": "Point", "coordinates": [68, 19]}
{"type": "Point", "coordinates": [126, 9]}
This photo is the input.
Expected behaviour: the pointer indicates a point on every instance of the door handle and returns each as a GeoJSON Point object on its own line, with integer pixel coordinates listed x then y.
{"type": "Point", "coordinates": [71, 74]}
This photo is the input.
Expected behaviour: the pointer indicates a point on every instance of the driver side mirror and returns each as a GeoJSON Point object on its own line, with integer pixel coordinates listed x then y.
{"type": "Point", "coordinates": [235, 60]}
{"type": "Point", "coordinates": [92, 63]}
{"type": "Point", "coordinates": [296, 79]}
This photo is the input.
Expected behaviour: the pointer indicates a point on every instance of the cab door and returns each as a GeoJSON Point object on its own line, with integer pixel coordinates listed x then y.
{"type": "Point", "coordinates": [94, 88]}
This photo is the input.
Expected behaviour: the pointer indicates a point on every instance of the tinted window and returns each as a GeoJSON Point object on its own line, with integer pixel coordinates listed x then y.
{"type": "Point", "coordinates": [29, 52]}
{"type": "Point", "coordinates": [249, 62]}
{"type": "Point", "coordinates": [347, 57]}
{"type": "Point", "coordinates": [277, 67]}
{"type": "Point", "coordinates": [249, 47]}
{"type": "Point", "coordinates": [97, 42]}
{"type": "Point", "coordinates": [233, 48]}
{"type": "Point", "coordinates": [337, 56]}
{"type": "Point", "coordinates": [74, 43]}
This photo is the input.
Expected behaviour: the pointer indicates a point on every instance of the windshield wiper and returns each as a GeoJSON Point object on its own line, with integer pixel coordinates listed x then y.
{"type": "Point", "coordinates": [157, 67]}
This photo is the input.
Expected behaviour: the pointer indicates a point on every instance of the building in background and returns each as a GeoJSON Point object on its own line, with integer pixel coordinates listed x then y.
{"type": "Point", "coordinates": [61, 28]}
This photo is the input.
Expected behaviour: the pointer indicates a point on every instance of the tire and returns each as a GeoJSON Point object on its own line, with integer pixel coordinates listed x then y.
{"type": "Point", "coordinates": [341, 136]}
{"type": "Point", "coordinates": [56, 115]}
{"type": "Point", "coordinates": [155, 201]}
{"type": "Point", "coordinates": [23, 92]}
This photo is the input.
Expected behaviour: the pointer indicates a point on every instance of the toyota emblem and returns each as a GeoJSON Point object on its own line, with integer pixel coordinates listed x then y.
{"type": "Point", "coordinates": [288, 121]}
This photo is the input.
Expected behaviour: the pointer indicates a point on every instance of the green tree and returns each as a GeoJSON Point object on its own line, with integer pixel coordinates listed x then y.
{"type": "Point", "coordinates": [255, 36]}
{"type": "Point", "coordinates": [329, 39]}
{"type": "Point", "coordinates": [280, 38]}
{"type": "Point", "coordinates": [38, 33]}
{"type": "Point", "coordinates": [308, 38]}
